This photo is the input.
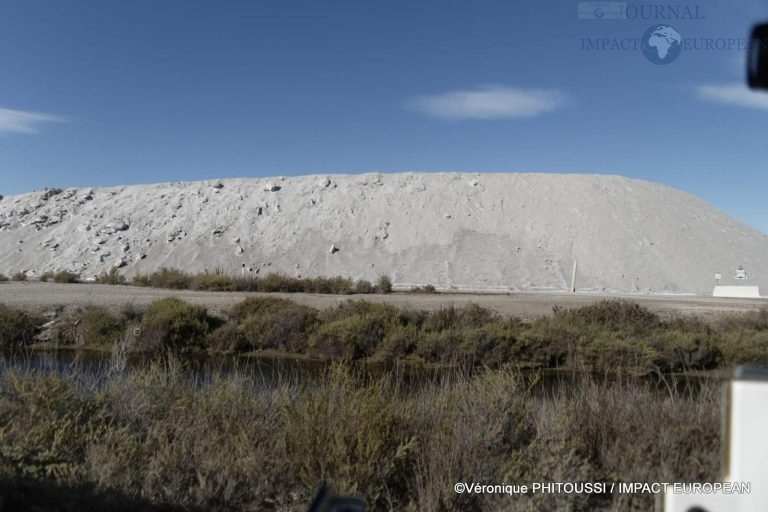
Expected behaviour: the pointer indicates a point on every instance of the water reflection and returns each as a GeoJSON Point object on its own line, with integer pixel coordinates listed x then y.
{"type": "Point", "coordinates": [278, 371]}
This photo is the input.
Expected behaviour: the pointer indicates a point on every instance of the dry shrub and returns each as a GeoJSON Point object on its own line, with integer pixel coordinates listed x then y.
{"type": "Point", "coordinates": [274, 282]}
{"type": "Point", "coordinates": [283, 328]}
{"type": "Point", "coordinates": [100, 327]}
{"type": "Point", "coordinates": [216, 281]}
{"type": "Point", "coordinates": [614, 315]}
{"type": "Point", "coordinates": [141, 280]}
{"type": "Point", "coordinates": [232, 443]}
{"type": "Point", "coordinates": [353, 329]}
{"type": "Point", "coordinates": [172, 278]}
{"type": "Point", "coordinates": [112, 277]}
{"type": "Point", "coordinates": [65, 276]}
{"type": "Point", "coordinates": [91, 325]}
{"type": "Point", "coordinates": [353, 435]}
{"type": "Point", "coordinates": [227, 339]}
{"type": "Point", "coordinates": [259, 306]}
{"type": "Point", "coordinates": [427, 288]}
{"type": "Point", "coordinates": [384, 284]}
{"type": "Point", "coordinates": [350, 338]}
{"type": "Point", "coordinates": [45, 436]}
{"type": "Point", "coordinates": [17, 328]}
{"type": "Point", "coordinates": [363, 286]}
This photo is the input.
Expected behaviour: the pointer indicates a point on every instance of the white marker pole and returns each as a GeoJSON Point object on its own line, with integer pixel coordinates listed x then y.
{"type": "Point", "coordinates": [573, 276]}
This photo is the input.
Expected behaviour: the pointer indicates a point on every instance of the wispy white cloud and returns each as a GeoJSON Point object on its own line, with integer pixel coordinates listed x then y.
{"type": "Point", "coordinates": [732, 94]}
{"type": "Point", "coordinates": [489, 102]}
{"type": "Point", "coordinates": [20, 121]}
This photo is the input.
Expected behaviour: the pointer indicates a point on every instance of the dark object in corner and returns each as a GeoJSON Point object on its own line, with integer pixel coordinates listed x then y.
{"type": "Point", "coordinates": [757, 57]}
{"type": "Point", "coordinates": [326, 501]}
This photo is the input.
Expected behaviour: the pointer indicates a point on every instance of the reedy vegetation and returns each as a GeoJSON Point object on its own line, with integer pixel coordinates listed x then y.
{"type": "Point", "coordinates": [234, 443]}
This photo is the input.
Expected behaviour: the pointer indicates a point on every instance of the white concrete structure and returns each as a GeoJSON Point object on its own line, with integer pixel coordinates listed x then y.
{"type": "Point", "coordinates": [737, 292]}
{"type": "Point", "coordinates": [746, 452]}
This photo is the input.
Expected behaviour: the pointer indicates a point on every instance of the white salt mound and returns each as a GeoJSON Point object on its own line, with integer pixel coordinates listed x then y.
{"type": "Point", "coordinates": [468, 231]}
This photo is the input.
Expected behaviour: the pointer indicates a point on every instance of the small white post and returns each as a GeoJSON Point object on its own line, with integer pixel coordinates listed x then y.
{"type": "Point", "coordinates": [573, 276]}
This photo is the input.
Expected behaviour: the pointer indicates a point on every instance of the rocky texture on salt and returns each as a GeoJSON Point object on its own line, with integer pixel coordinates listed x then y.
{"type": "Point", "coordinates": [462, 230]}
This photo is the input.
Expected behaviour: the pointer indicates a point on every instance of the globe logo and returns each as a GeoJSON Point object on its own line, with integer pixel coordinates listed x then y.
{"type": "Point", "coordinates": [599, 13]}
{"type": "Point", "coordinates": [661, 44]}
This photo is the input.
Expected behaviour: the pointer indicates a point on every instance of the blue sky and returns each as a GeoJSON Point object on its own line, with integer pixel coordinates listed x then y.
{"type": "Point", "coordinates": [97, 93]}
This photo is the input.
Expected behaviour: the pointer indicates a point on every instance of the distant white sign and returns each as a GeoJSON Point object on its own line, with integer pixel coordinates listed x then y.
{"type": "Point", "coordinates": [718, 277]}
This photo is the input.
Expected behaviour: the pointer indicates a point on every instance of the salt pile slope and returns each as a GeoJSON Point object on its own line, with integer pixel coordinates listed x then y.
{"type": "Point", "coordinates": [461, 230]}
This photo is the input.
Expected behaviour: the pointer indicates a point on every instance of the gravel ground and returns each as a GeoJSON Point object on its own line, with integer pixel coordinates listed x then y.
{"type": "Point", "coordinates": [47, 296]}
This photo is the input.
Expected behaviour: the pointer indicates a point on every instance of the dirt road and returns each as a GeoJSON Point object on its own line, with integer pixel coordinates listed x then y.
{"type": "Point", "coordinates": [45, 296]}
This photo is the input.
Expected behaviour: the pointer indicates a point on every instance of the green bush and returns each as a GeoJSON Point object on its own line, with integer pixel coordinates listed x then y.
{"type": "Point", "coordinates": [3, 278]}
{"type": "Point", "coordinates": [172, 278]}
{"type": "Point", "coordinates": [440, 346]}
{"type": "Point", "coordinates": [216, 281]}
{"type": "Point", "coordinates": [92, 325]}
{"type": "Point", "coordinates": [749, 320]}
{"type": "Point", "coordinates": [428, 288]}
{"type": "Point", "coordinates": [50, 429]}
{"type": "Point", "coordinates": [494, 345]}
{"type": "Point", "coordinates": [546, 343]}
{"type": "Point", "coordinates": [274, 282]}
{"type": "Point", "coordinates": [384, 284]}
{"type": "Point", "coordinates": [19, 276]}
{"type": "Point", "coordinates": [172, 324]}
{"type": "Point", "coordinates": [341, 285]}
{"type": "Point", "coordinates": [614, 315]}
{"type": "Point", "coordinates": [386, 312]}
{"type": "Point", "coordinates": [316, 285]}
{"type": "Point", "coordinates": [442, 318]}
{"type": "Point", "coordinates": [399, 342]}
{"type": "Point", "coordinates": [259, 306]}
{"type": "Point", "coordinates": [755, 320]}
{"type": "Point", "coordinates": [141, 280]}
{"type": "Point", "coordinates": [227, 339]}
{"type": "Point", "coordinates": [355, 435]}
{"type": "Point", "coordinates": [46, 276]}
{"type": "Point", "coordinates": [246, 283]}
{"type": "Point", "coordinates": [112, 277]}
{"type": "Point", "coordinates": [363, 286]}
{"type": "Point", "coordinates": [743, 347]}
{"type": "Point", "coordinates": [130, 312]}
{"type": "Point", "coordinates": [606, 352]}
{"type": "Point", "coordinates": [284, 327]}
{"type": "Point", "coordinates": [451, 317]}
{"type": "Point", "coordinates": [17, 328]}
{"type": "Point", "coordinates": [100, 327]}
{"type": "Point", "coordinates": [65, 276]}
{"type": "Point", "coordinates": [67, 329]}
{"type": "Point", "coordinates": [351, 337]}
